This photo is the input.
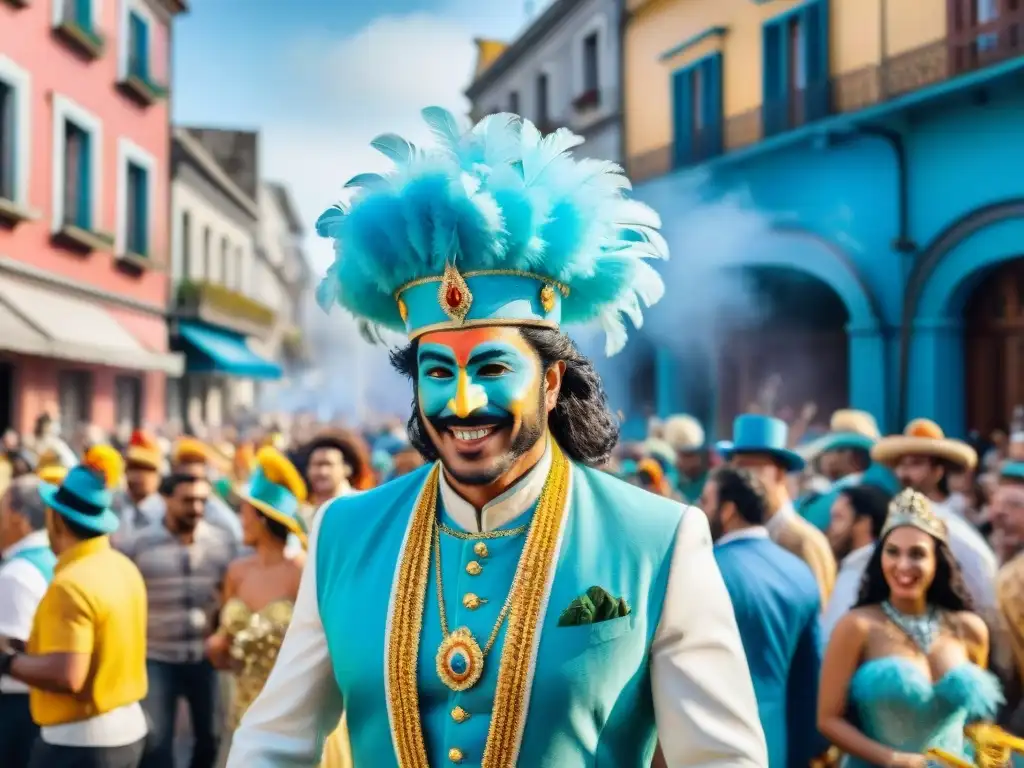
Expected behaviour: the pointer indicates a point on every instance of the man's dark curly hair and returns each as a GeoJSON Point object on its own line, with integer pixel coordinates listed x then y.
{"type": "Point", "coordinates": [947, 589]}
{"type": "Point", "coordinates": [581, 422]}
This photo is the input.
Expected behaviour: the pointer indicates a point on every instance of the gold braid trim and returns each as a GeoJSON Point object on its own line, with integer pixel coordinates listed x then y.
{"type": "Point", "coordinates": [406, 625]}
{"type": "Point", "coordinates": [514, 672]}
{"type": "Point", "coordinates": [508, 714]}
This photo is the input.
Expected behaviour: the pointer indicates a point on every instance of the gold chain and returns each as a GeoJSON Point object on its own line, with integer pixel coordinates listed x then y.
{"type": "Point", "coordinates": [501, 534]}
{"type": "Point", "coordinates": [502, 615]}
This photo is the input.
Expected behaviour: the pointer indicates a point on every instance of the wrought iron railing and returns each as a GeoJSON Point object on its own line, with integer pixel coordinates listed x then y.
{"type": "Point", "coordinates": [959, 53]}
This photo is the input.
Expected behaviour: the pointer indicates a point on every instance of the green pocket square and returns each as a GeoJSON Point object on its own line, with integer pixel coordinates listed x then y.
{"type": "Point", "coordinates": [594, 606]}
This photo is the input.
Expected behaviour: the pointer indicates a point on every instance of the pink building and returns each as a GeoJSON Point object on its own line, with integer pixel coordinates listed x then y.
{"type": "Point", "coordinates": [84, 208]}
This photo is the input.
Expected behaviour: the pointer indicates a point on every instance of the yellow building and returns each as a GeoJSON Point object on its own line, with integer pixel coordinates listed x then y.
{"type": "Point", "coordinates": [876, 138]}
{"type": "Point", "coordinates": [793, 51]}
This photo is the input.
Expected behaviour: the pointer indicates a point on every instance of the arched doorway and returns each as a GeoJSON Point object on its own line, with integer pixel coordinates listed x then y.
{"type": "Point", "coordinates": [994, 353]}
{"type": "Point", "coordinates": [791, 351]}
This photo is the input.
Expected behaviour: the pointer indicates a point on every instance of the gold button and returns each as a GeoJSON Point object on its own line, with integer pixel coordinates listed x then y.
{"type": "Point", "coordinates": [455, 755]}
{"type": "Point", "coordinates": [473, 568]}
{"type": "Point", "coordinates": [471, 601]}
{"type": "Point", "coordinates": [459, 715]}
{"type": "Point", "coordinates": [480, 548]}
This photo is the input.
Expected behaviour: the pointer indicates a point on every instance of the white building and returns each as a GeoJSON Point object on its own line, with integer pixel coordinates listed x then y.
{"type": "Point", "coordinates": [563, 70]}
{"type": "Point", "coordinates": [222, 318]}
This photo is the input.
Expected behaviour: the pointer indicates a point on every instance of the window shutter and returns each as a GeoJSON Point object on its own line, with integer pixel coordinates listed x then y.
{"type": "Point", "coordinates": [83, 13]}
{"type": "Point", "coordinates": [84, 181]}
{"type": "Point", "coordinates": [142, 212]}
{"type": "Point", "coordinates": [141, 52]}
{"type": "Point", "coordinates": [816, 58]}
{"type": "Point", "coordinates": [711, 96]}
{"type": "Point", "coordinates": [682, 119]}
{"type": "Point", "coordinates": [773, 79]}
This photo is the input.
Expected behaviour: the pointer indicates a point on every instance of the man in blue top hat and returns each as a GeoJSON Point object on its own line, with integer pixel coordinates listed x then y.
{"type": "Point", "coordinates": [507, 604]}
{"type": "Point", "coordinates": [760, 443]}
{"type": "Point", "coordinates": [85, 661]}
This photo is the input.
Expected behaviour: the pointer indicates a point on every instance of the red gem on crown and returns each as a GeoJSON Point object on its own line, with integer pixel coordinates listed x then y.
{"type": "Point", "coordinates": [453, 296]}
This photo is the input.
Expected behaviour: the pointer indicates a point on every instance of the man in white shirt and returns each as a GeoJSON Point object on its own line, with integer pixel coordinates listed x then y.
{"type": "Point", "coordinates": [858, 515]}
{"type": "Point", "coordinates": [25, 573]}
{"type": "Point", "coordinates": [922, 458]}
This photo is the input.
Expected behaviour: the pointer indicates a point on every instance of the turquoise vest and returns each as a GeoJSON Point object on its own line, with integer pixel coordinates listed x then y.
{"type": "Point", "coordinates": [590, 701]}
{"type": "Point", "coordinates": [42, 558]}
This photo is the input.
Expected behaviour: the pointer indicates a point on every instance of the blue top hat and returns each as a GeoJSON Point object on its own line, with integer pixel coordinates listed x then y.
{"type": "Point", "coordinates": [754, 433]}
{"type": "Point", "coordinates": [84, 499]}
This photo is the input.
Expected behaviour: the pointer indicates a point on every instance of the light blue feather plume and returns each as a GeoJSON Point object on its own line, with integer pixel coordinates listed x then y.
{"type": "Point", "coordinates": [394, 148]}
{"type": "Point", "coordinates": [497, 196]}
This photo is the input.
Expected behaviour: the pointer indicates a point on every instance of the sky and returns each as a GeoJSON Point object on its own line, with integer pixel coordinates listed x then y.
{"type": "Point", "coordinates": [319, 79]}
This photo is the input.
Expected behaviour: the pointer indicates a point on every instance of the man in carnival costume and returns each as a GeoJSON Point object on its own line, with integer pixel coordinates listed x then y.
{"type": "Point", "coordinates": [507, 604]}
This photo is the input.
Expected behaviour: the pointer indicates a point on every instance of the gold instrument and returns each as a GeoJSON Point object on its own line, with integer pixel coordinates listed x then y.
{"type": "Point", "coordinates": [993, 748]}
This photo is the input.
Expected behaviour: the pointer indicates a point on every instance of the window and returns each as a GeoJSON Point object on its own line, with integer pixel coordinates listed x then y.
{"type": "Point", "coordinates": [513, 102]}
{"type": "Point", "coordinates": [240, 269]}
{"type": "Point", "coordinates": [74, 395]}
{"type": "Point", "coordinates": [697, 111]}
{"type": "Point", "coordinates": [543, 115]}
{"type": "Point", "coordinates": [7, 129]}
{"type": "Point", "coordinates": [78, 12]}
{"type": "Point", "coordinates": [76, 177]}
{"type": "Point", "coordinates": [796, 67]}
{"type": "Point", "coordinates": [138, 46]}
{"type": "Point", "coordinates": [591, 77]}
{"type": "Point", "coordinates": [135, 199]}
{"type": "Point", "coordinates": [15, 132]}
{"type": "Point", "coordinates": [224, 265]}
{"type": "Point", "coordinates": [77, 160]}
{"type": "Point", "coordinates": [207, 254]}
{"type": "Point", "coordinates": [186, 245]}
{"type": "Point", "coordinates": [128, 401]}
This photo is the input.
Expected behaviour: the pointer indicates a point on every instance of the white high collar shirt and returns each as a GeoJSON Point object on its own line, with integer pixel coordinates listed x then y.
{"type": "Point", "coordinates": [704, 702]}
{"type": "Point", "coordinates": [846, 589]}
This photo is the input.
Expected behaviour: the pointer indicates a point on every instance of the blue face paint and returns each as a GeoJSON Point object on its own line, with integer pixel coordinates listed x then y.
{"type": "Point", "coordinates": [477, 375]}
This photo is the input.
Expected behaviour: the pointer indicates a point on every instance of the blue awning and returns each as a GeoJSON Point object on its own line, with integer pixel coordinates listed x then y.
{"type": "Point", "coordinates": [212, 350]}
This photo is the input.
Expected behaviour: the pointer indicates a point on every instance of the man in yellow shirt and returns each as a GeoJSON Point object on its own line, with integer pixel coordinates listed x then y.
{"type": "Point", "coordinates": [85, 661]}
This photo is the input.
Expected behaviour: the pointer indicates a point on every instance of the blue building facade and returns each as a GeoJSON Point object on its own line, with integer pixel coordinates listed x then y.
{"type": "Point", "coordinates": [902, 192]}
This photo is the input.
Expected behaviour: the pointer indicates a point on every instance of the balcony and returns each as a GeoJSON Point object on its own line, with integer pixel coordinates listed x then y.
{"type": "Point", "coordinates": [958, 54]}
{"type": "Point", "coordinates": [217, 305]}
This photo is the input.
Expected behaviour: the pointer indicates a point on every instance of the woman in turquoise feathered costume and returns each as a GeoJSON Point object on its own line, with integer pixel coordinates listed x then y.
{"type": "Point", "coordinates": [910, 659]}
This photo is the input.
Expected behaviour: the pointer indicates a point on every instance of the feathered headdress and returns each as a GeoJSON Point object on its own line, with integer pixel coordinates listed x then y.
{"type": "Point", "coordinates": [276, 467]}
{"type": "Point", "coordinates": [495, 226]}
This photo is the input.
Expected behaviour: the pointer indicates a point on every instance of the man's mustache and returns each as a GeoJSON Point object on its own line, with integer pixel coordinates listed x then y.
{"type": "Point", "coordinates": [469, 422]}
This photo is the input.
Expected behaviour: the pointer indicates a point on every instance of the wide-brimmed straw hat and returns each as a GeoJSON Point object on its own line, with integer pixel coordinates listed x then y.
{"type": "Point", "coordinates": [848, 429]}
{"type": "Point", "coordinates": [923, 437]}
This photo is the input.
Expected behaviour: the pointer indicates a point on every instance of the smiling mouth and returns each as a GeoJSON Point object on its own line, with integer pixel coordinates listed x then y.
{"type": "Point", "coordinates": [905, 581]}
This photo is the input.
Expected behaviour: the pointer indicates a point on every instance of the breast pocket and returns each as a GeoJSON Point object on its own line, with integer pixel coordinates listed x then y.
{"type": "Point", "coordinates": [580, 638]}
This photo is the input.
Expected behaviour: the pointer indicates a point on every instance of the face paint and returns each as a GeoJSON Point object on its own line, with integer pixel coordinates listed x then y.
{"type": "Point", "coordinates": [480, 394]}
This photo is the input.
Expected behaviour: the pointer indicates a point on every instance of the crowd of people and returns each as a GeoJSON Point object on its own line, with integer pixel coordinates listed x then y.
{"type": "Point", "coordinates": [883, 573]}
{"type": "Point", "coordinates": [826, 585]}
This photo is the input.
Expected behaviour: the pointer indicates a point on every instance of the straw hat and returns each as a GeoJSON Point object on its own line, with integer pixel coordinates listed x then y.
{"type": "Point", "coordinates": [923, 437]}
{"type": "Point", "coordinates": [848, 429]}
{"type": "Point", "coordinates": [683, 432]}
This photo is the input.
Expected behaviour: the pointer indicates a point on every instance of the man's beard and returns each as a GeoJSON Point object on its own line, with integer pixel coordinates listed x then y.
{"type": "Point", "coordinates": [529, 433]}
{"type": "Point", "coordinates": [843, 547]}
{"type": "Point", "coordinates": [715, 524]}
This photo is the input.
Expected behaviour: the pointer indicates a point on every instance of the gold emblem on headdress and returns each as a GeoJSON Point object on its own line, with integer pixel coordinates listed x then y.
{"type": "Point", "coordinates": [547, 298]}
{"type": "Point", "coordinates": [914, 509]}
{"type": "Point", "coordinates": [403, 311]}
{"type": "Point", "coordinates": [453, 295]}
